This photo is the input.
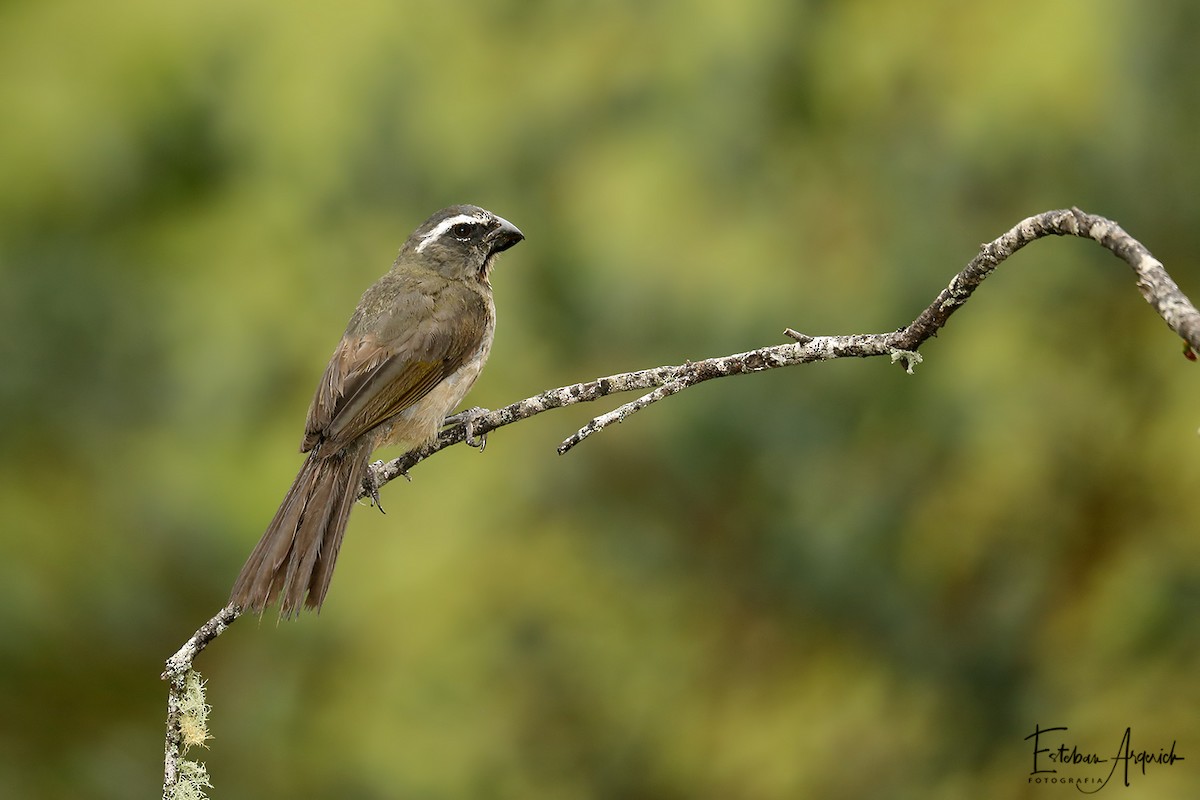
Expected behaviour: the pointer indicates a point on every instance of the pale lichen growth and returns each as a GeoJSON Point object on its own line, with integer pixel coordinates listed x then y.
{"type": "Point", "coordinates": [193, 713]}
{"type": "Point", "coordinates": [910, 358]}
{"type": "Point", "coordinates": [193, 779]}
{"type": "Point", "coordinates": [193, 730]}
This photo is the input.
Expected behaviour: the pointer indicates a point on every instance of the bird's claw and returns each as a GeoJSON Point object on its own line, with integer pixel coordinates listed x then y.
{"type": "Point", "coordinates": [371, 483]}
{"type": "Point", "coordinates": [469, 419]}
{"type": "Point", "coordinates": [471, 439]}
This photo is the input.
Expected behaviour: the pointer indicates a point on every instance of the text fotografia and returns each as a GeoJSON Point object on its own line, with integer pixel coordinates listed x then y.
{"type": "Point", "coordinates": [1057, 762]}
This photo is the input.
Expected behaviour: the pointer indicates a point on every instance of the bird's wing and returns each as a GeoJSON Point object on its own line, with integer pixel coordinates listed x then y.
{"type": "Point", "coordinates": [398, 346]}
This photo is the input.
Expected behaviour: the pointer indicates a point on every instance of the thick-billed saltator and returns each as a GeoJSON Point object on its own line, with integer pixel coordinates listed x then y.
{"type": "Point", "coordinates": [414, 346]}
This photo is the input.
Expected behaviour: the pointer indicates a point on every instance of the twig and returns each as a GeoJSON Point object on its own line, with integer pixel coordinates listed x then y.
{"type": "Point", "coordinates": [176, 673]}
{"type": "Point", "coordinates": [1156, 286]}
{"type": "Point", "coordinates": [179, 664]}
{"type": "Point", "coordinates": [1153, 282]}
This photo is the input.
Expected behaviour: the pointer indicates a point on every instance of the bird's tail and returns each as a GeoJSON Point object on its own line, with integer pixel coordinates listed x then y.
{"type": "Point", "coordinates": [294, 558]}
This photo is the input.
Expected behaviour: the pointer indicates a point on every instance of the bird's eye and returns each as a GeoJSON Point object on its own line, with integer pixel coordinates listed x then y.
{"type": "Point", "coordinates": [462, 230]}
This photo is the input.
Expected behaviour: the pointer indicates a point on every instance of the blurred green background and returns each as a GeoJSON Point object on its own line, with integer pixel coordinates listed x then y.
{"type": "Point", "coordinates": [834, 581]}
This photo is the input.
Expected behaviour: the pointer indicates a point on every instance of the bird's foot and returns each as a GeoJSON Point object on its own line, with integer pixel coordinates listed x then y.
{"type": "Point", "coordinates": [469, 419]}
{"type": "Point", "coordinates": [371, 483]}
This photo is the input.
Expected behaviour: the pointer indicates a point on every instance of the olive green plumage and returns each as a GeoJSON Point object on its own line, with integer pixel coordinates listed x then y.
{"type": "Point", "coordinates": [414, 346]}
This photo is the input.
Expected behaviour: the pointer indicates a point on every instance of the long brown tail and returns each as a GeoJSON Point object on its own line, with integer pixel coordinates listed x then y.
{"type": "Point", "coordinates": [296, 554]}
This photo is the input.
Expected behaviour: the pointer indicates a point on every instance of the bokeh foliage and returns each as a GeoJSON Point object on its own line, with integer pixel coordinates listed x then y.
{"type": "Point", "coordinates": [834, 581]}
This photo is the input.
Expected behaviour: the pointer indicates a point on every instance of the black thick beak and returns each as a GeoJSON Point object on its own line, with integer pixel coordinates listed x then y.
{"type": "Point", "coordinates": [503, 236]}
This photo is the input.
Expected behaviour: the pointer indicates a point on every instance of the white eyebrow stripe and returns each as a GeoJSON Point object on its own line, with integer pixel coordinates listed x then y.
{"type": "Point", "coordinates": [446, 225]}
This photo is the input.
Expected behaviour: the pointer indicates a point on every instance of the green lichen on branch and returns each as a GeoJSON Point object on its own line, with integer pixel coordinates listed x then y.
{"type": "Point", "coordinates": [193, 730]}
{"type": "Point", "coordinates": [193, 779]}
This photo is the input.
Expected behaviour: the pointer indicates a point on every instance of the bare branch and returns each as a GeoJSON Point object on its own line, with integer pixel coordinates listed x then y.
{"type": "Point", "coordinates": [1156, 286]}
{"type": "Point", "coordinates": [181, 662]}
{"type": "Point", "coordinates": [1153, 282]}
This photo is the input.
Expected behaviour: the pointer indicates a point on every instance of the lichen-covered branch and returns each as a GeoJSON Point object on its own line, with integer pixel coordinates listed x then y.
{"type": "Point", "coordinates": [186, 710]}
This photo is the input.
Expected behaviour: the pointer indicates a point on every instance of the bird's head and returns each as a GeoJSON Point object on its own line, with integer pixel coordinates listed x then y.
{"type": "Point", "coordinates": [461, 242]}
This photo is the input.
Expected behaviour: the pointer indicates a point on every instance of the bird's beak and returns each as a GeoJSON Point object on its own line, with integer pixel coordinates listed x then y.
{"type": "Point", "coordinates": [504, 236]}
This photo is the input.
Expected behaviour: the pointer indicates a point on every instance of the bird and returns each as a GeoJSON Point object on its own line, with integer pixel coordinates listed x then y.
{"type": "Point", "coordinates": [414, 346]}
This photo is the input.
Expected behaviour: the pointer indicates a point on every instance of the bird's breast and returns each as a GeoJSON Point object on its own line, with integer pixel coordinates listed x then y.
{"type": "Point", "coordinates": [421, 422]}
